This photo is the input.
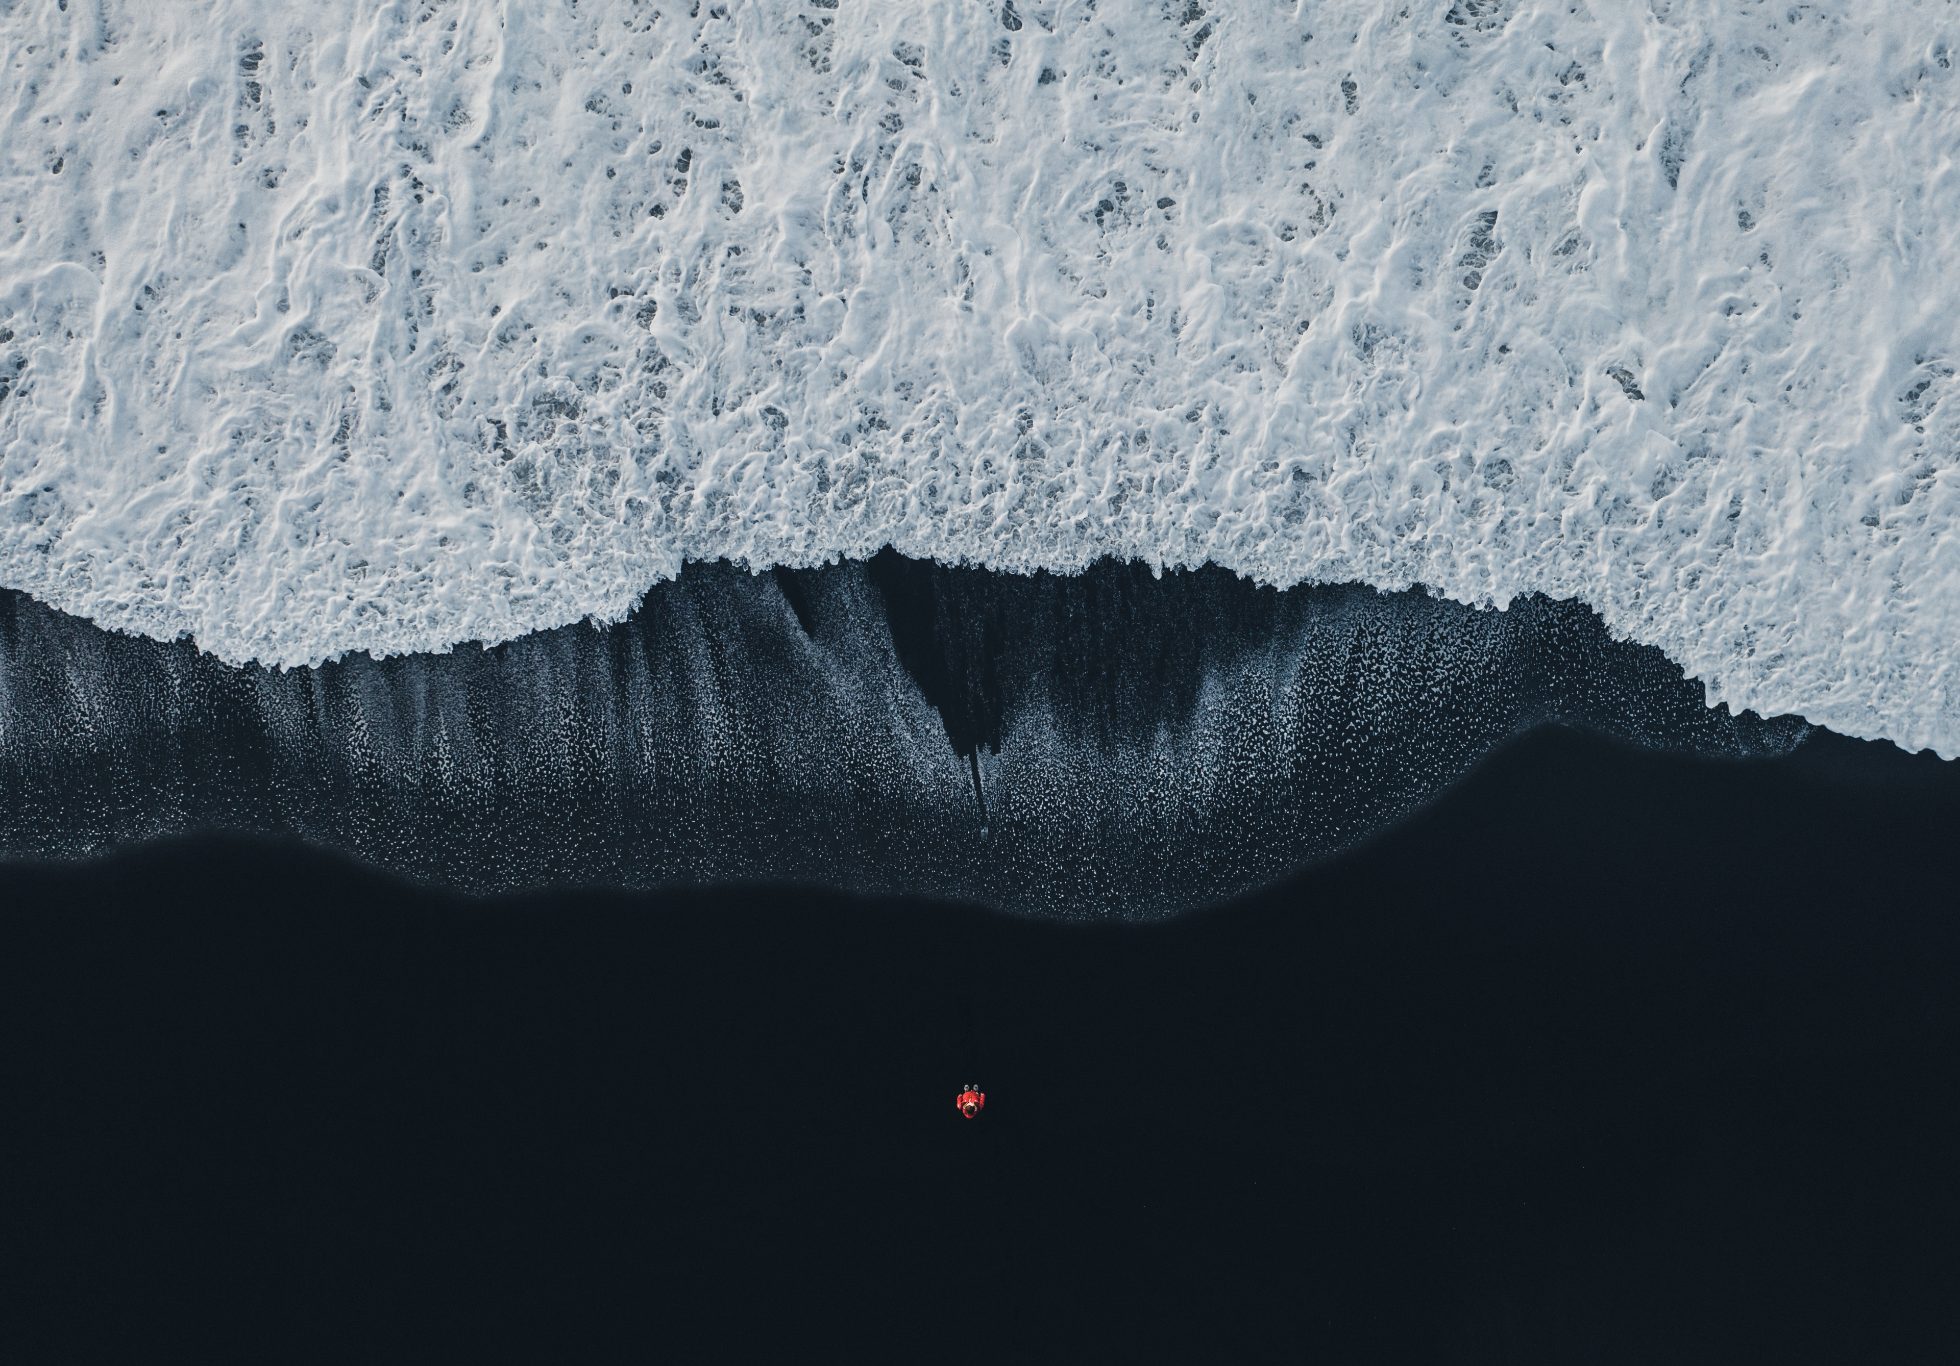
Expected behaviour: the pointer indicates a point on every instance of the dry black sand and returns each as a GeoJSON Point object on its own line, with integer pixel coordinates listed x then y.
{"type": "Point", "coordinates": [1607, 1056]}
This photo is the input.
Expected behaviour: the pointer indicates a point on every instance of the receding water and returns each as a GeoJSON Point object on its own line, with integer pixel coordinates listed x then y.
{"type": "Point", "coordinates": [1109, 744]}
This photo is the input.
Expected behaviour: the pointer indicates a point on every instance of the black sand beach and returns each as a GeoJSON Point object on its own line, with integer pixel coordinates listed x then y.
{"type": "Point", "coordinates": [1607, 1055]}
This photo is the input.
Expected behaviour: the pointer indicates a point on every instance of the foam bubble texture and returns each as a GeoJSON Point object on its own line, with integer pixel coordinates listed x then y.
{"type": "Point", "coordinates": [346, 326]}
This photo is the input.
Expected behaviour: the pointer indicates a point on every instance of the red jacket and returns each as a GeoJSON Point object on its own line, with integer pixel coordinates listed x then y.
{"type": "Point", "coordinates": [977, 1099]}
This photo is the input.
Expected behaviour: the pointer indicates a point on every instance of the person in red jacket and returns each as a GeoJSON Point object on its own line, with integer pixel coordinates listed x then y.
{"type": "Point", "coordinates": [972, 1101]}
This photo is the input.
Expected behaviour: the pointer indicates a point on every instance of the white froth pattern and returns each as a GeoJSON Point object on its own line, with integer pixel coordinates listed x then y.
{"type": "Point", "coordinates": [385, 326]}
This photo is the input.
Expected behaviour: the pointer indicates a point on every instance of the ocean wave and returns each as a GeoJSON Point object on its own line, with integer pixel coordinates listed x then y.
{"type": "Point", "coordinates": [340, 327]}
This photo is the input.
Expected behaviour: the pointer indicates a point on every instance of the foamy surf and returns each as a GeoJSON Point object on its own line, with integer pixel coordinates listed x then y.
{"type": "Point", "coordinates": [338, 327]}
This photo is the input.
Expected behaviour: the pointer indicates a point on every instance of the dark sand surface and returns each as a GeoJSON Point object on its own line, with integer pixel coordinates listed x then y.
{"type": "Point", "coordinates": [1608, 1055]}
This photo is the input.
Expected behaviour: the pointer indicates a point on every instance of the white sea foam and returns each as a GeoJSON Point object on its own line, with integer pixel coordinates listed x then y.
{"type": "Point", "coordinates": [385, 326]}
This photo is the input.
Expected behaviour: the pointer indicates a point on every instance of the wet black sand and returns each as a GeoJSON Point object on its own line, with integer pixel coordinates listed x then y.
{"type": "Point", "coordinates": [1609, 1055]}
{"type": "Point", "coordinates": [1109, 745]}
